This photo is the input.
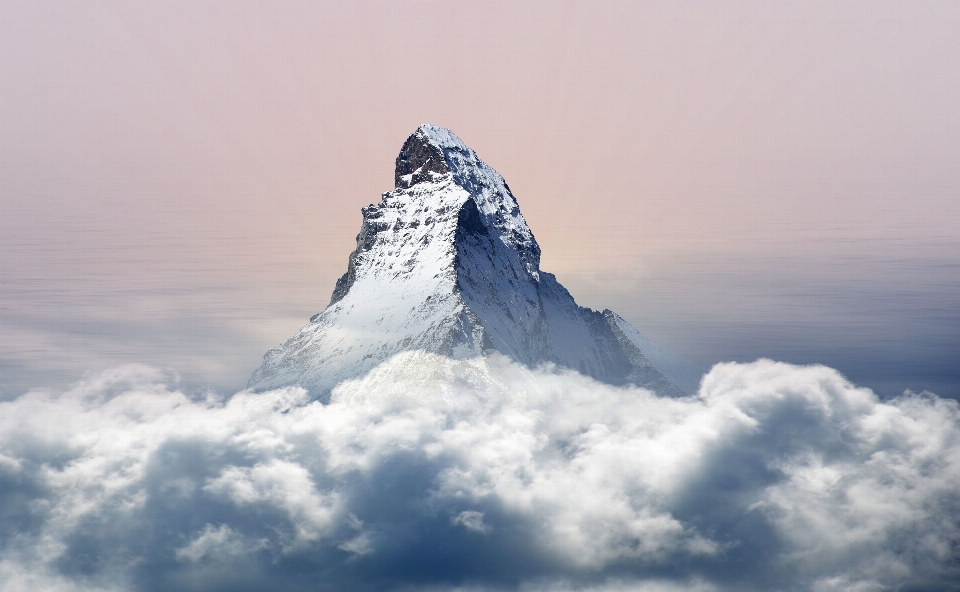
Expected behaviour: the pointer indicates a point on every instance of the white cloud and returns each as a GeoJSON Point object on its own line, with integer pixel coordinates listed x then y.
{"type": "Point", "coordinates": [773, 476]}
{"type": "Point", "coordinates": [217, 543]}
{"type": "Point", "coordinates": [283, 485]}
{"type": "Point", "coordinates": [471, 520]}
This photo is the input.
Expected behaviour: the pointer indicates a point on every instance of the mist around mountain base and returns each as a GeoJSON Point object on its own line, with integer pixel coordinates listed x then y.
{"type": "Point", "coordinates": [432, 473]}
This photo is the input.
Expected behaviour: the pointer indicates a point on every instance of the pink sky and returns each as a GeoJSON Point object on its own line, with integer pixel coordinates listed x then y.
{"type": "Point", "coordinates": [168, 162]}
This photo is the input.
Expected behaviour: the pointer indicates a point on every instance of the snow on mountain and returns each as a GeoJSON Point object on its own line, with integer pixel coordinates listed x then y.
{"type": "Point", "coordinates": [447, 264]}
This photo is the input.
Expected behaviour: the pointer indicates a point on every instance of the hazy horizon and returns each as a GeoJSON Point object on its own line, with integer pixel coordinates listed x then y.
{"type": "Point", "coordinates": [180, 183]}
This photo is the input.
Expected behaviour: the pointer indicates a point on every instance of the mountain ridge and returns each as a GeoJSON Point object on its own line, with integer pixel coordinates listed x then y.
{"type": "Point", "coordinates": [447, 263]}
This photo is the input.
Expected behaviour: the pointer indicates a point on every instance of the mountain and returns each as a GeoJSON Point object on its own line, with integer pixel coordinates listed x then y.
{"type": "Point", "coordinates": [446, 263]}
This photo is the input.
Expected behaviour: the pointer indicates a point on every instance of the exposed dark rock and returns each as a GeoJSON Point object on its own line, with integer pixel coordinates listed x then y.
{"type": "Point", "coordinates": [418, 158]}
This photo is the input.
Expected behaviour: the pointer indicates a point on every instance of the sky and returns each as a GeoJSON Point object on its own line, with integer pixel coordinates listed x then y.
{"type": "Point", "coordinates": [768, 188]}
{"type": "Point", "coordinates": [180, 182]}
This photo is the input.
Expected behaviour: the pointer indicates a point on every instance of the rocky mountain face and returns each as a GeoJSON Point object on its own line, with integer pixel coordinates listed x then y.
{"type": "Point", "coordinates": [446, 263]}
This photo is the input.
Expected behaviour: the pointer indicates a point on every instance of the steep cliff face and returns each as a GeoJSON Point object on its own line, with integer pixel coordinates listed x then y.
{"type": "Point", "coordinates": [446, 263]}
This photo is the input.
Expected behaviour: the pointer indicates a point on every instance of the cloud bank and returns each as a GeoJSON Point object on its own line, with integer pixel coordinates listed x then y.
{"type": "Point", "coordinates": [436, 474]}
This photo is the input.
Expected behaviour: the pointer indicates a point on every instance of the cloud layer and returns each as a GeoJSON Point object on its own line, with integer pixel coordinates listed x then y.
{"type": "Point", "coordinates": [438, 474]}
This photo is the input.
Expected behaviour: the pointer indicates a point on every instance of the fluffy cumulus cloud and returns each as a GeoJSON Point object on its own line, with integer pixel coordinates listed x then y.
{"type": "Point", "coordinates": [437, 474]}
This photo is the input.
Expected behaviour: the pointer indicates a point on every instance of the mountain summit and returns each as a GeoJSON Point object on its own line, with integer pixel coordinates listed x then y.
{"type": "Point", "coordinates": [446, 263]}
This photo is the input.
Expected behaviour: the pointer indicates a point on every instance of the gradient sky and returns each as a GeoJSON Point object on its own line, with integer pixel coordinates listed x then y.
{"type": "Point", "coordinates": [180, 183]}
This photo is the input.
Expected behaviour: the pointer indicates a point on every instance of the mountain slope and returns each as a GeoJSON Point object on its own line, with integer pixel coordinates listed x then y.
{"type": "Point", "coordinates": [446, 263]}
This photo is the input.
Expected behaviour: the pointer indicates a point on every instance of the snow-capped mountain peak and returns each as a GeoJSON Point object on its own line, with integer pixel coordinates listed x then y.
{"type": "Point", "coordinates": [446, 263]}
{"type": "Point", "coordinates": [432, 152]}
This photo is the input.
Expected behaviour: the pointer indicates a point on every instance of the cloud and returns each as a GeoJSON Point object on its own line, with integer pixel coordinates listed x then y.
{"type": "Point", "coordinates": [439, 474]}
{"type": "Point", "coordinates": [217, 543]}
{"type": "Point", "coordinates": [471, 520]}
